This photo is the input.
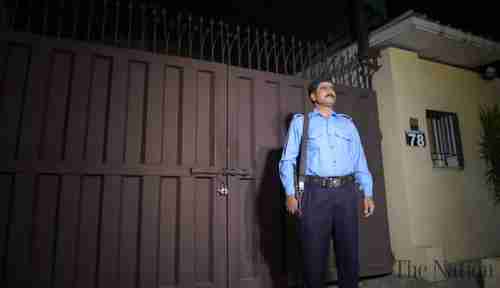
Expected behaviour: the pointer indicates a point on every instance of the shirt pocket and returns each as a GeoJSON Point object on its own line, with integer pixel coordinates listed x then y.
{"type": "Point", "coordinates": [344, 141]}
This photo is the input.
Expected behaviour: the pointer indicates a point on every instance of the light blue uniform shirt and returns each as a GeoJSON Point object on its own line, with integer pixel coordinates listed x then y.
{"type": "Point", "coordinates": [334, 149]}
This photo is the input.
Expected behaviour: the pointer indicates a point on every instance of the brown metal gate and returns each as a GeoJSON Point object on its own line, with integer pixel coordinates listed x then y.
{"type": "Point", "coordinates": [112, 162]}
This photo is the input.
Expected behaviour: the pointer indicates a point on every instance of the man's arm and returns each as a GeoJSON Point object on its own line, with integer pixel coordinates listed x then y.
{"type": "Point", "coordinates": [361, 172]}
{"type": "Point", "coordinates": [291, 150]}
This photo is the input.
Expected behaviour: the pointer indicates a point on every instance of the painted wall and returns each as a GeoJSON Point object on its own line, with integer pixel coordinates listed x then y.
{"type": "Point", "coordinates": [435, 213]}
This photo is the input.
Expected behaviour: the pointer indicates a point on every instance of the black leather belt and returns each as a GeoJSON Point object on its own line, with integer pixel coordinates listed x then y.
{"type": "Point", "coordinates": [330, 182]}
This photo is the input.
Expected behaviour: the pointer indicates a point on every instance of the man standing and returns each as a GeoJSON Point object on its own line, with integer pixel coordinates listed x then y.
{"type": "Point", "coordinates": [335, 162]}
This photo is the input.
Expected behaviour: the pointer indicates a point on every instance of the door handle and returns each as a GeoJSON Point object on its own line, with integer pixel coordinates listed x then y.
{"type": "Point", "coordinates": [236, 172]}
{"type": "Point", "coordinates": [212, 171]}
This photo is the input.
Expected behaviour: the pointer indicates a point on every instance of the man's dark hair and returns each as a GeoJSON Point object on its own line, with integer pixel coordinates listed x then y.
{"type": "Point", "coordinates": [315, 83]}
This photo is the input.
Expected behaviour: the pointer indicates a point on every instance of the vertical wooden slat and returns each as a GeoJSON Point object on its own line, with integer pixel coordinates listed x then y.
{"type": "Point", "coordinates": [12, 97]}
{"type": "Point", "coordinates": [217, 206]}
{"type": "Point", "coordinates": [18, 264]}
{"type": "Point", "coordinates": [188, 145]}
{"type": "Point", "coordinates": [98, 109]}
{"type": "Point", "coordinates": [55, 112]}
{"type": "Point", "coordinates": [35, 103]}
{"type": "Point", "coordinates": [244, 137]}
{"type": "Point", "coordinates": [204, 229]}
{"type": "Point", "coordinates": [137, 98]}
{"type": "Point", "coordinates": [149, 232]}
{"type": "Point", "coordinates": [88, 232]}
{"type": "Point", "coordinates": [266, 118]}
{"type": "Point", "coordinates": [172, 113]}
{"type": "Point", "coordinates": [44, 229]}
{"type": "Point", "coordinates": [6, 187]}
{"type": "Point", "coordinates": [292, 101]}
{"type": "Point", "coordinates": [117, 113]}
{"type": "Point", "coordinates": [210, 114]}
{"type": "Point", "coordinates": [67, 232]}
{"type": "Point", "coordinates": [154, 115]}
{"type": "Point", "coordinates": [77, 120]}
{"type": "Point", "coordinates": [110, 233]}
{"type": "Point", "coordinates": [168, 252]}
{"type": "Point", "coordinates": [204, 114]}
{"type": "Point", "coordinates": [219, 109]}
{"type": "Point", "coordinates": [129, 231]}
{"type": "Point", "coordinates": [187, 247]}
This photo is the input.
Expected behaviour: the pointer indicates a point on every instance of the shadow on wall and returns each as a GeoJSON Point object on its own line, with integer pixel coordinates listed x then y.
{"type": "Point", "coordinates": [278, 237]}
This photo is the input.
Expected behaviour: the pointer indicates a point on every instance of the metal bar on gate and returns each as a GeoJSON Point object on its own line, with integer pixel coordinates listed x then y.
{"type": "Point", "coordinates": [179, 34]}
{"type": "Point", "coordinates": [165, 28]}
{"type": "Point", "coordinates": [76, 9]}
{"type": "Point", "coordinates": [60, 18]}
{"type": "Point", "coordinates": [117, 21]}
{"type": "Point", "coordinates": [104, 19]}
{"type": "Point", "coordinates": [91, 20]}
{"type": "Point", "coordinates": [14, 15]}
{"type": "Point", "coordinates": [45, 17]}
{"type": "Point", "coordinates": [190, 36]}
{"type": "Point", "coordinates": [249, 49]}
{"type": "Point", "coordinates": [212, 40]}
{"type": "Point", "coordinates": [143, 25]}
{"type": "Point", "coordinates": [130, 19]}
{"type": "Point", "coordinates": [202, 37]}
{"type": "Point", "coordinates": [222, 42]}
{"type": "Point", "coordinates": [27, 27]}
{"type": "Point", "coordinates": [156, 20]}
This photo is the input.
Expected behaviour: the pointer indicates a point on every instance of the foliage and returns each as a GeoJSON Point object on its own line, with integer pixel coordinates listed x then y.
{"type": "Point", "coordinates": [490, 146]}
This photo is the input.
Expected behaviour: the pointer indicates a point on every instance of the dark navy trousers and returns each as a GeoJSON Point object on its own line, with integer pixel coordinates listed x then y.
{"type": "Point", "coordinates": [330, 212]}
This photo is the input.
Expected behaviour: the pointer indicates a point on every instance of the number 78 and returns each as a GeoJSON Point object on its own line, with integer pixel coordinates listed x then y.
{"type": "Point", "coordinates": [419, 138]}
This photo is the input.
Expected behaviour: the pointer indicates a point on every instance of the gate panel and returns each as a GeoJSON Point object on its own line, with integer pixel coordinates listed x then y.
{"type": "Point", "coordinates": [259, 104]}
{"type": "Point", "coordinates": [101, 145]}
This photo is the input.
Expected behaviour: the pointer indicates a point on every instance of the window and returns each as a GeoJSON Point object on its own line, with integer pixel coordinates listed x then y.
{"type": "Point", "coordinates": [444, 139]}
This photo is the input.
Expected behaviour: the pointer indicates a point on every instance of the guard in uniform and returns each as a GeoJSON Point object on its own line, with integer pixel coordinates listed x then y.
{"type": "Point", "coordinates": [329, 208]}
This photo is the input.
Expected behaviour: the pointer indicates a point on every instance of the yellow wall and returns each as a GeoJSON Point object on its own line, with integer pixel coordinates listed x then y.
{"type": "Point", "coordinates": [438, 213]}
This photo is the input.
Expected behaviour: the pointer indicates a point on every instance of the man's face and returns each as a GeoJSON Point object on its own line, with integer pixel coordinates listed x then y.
{"type": "Point", "coordinates": [324, 95]}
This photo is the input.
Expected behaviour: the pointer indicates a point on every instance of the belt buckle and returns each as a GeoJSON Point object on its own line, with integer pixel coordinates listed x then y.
{"type": "Point", "coordinates": [336, 182]}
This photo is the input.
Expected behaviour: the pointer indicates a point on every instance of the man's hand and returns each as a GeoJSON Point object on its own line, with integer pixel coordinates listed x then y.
{"type": "Point", "coordinates": [368, 206]}
{"type": "Point", "coordinates": [291, 204]}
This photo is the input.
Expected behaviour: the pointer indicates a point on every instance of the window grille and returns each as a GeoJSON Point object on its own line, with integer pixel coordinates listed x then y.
{"type": "Point", "coordinates": [444, 139]}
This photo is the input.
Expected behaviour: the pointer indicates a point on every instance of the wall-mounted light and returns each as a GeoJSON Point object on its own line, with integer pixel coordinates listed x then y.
{"type": "Point", "coordinates": [489, 73]}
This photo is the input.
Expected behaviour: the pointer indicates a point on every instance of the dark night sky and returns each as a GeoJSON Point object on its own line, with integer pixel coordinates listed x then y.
{"type": "Point", "coordinates": [314, 19]}
{"type": "Point", "coordinates": [479, 17]}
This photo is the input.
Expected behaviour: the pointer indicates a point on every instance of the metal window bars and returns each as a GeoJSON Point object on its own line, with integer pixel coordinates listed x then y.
{"type": "Point", "coordinates": [445, 141]}
{"type": "Point", "coordinates": [139, 25]}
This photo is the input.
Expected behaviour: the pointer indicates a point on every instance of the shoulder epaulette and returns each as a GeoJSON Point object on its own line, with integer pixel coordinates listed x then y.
{"type": "Point", "coordinates": [345, 116]}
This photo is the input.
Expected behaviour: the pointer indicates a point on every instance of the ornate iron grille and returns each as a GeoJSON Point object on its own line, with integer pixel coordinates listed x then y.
{"type": "Point", "coordinates": [137, 25]}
